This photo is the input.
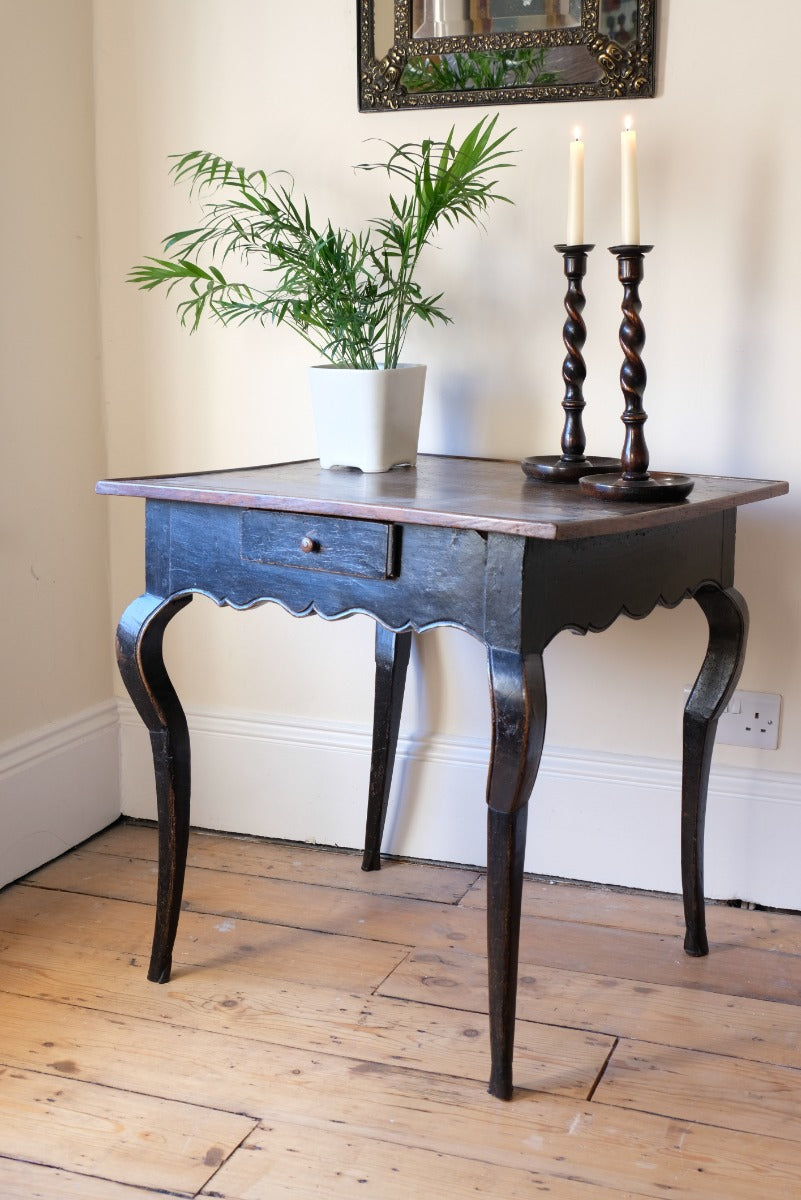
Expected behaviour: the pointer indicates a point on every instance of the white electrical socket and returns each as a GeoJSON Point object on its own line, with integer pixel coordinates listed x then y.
{"type": "Point", "coordinates": [750, 719]}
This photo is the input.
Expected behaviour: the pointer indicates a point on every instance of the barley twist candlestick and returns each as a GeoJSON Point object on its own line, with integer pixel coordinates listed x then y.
{"type": "Point", "coordinates": [635, 482]}
{"type": "Point", "coordinates": [572, 464]}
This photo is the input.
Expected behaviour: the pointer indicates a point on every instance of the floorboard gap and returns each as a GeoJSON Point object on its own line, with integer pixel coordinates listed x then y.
{"type": "Point", "coordinates": [602, 1071]}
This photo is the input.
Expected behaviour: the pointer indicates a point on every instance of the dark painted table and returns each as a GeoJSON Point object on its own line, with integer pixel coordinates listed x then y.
{"type": "Point", "coordinates": [463, 542]}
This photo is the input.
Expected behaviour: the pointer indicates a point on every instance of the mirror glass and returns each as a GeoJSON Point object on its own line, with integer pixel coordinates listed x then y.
{"type": "Point", "coordinates": [451, 18]}
{"type": "Point", "coordinates": [438, 53]}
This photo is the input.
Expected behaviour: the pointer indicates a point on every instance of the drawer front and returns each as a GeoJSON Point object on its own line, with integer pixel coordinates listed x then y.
{"type": "Point", "coordinates": [340, 546]}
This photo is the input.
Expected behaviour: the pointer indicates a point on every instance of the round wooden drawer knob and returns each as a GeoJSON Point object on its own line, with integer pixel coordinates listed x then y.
{"type": "Point", "coordinates": [309, 546]}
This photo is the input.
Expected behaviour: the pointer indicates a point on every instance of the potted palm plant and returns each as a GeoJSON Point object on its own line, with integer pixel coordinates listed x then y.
{"type": "Point", "coordinates": [352, 296]}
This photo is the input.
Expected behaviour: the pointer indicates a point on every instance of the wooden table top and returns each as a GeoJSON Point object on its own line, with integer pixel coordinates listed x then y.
{"type": "Point", "coordinates": [467, 493]}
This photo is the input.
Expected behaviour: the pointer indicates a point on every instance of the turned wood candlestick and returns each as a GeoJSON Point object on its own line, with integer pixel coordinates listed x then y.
{"type": "Point", "coordinates": [571, 465]}
{"type": "Point", "coordinates": [635, 482]}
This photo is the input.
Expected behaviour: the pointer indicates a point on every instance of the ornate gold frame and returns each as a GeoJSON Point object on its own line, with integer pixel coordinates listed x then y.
{"type": "Point", "coordinates": [624, 71]}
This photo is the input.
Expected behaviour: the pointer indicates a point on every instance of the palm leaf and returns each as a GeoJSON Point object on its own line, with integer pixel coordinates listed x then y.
{"type": "Point", "coordinates": [350, 295]}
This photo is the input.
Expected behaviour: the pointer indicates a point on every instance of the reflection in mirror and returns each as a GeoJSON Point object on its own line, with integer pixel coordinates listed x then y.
{"type": "Point", "coordinates": [503, 51]}
{"type": "Point", "coordinates": [384, 27]}
{"type": "Point", "coordinates": [454, 18]}
{"type": "Point", "coordinates": [618, 20]}
{"type": "Point", "coordinates": [475, 71]}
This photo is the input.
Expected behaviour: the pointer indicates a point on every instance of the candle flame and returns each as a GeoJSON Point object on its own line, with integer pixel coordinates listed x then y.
{"type": "Point", "coordinates": [629, 124]}
{"type": "Point", "coordinates": [577, 134]}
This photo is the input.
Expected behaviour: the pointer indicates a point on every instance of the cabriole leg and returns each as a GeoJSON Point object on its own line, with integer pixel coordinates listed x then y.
{"type": "Point", "coordinates": [139, 655]}
{"type": "Point", "coordinates": [727, 616]}
{"type": "Point", "coordinates": [518, 732]}
{"type": "Point", "coordinates": [391, 663]}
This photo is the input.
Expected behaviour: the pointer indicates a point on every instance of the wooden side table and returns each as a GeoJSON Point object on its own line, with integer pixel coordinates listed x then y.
{"type": "Point", "coordinates": [463, 542]}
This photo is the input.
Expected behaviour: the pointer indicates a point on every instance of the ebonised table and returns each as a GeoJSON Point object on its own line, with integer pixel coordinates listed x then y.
{"type": "Point", "coordinates": [463, 542]}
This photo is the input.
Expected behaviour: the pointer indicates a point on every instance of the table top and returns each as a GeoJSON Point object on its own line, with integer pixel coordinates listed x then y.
{"type": "Point", "coordinates": [466, 493]}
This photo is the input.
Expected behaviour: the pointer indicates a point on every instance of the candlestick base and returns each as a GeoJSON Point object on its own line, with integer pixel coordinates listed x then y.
{"type": "Point", "coordinates": [552, 468]}
{"type": "Point", "coordinates": [658, 487]}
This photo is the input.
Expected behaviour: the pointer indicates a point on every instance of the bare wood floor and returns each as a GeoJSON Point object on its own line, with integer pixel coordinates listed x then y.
{"type": "Point", "coordinates": [324, 1035]}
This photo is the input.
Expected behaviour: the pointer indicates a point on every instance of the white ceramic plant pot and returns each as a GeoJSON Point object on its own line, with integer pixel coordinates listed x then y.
{"type": "Point", "coordinates": [367, 419]}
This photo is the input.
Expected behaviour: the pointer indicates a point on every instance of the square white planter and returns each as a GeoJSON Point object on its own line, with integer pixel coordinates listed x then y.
{"type": "Point", "coordinates": [367, 419]}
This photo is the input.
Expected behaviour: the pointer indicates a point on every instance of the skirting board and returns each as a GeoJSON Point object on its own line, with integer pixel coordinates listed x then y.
{"type": "Point", "coordinates": [58, 786]}
{"type": "Point", "coordinates": [600, 817]}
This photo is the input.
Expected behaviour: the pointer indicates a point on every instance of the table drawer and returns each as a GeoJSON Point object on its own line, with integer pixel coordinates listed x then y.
{"type": "Point", "coordinates": [341, 546]}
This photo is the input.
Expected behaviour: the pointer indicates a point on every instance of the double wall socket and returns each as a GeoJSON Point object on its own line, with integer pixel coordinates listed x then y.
{"type": "Point", "coordinates": [750, 719]}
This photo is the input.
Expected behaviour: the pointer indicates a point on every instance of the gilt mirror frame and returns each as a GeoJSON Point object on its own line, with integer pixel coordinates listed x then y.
{"type": "Point", "coordinates": [577, 57]}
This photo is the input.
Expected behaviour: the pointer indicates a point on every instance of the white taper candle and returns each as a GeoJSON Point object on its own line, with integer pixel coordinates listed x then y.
{"type": "Point", "coordinates": [629, 187]}
{"type": "Point", "coordinates": [575, 194]}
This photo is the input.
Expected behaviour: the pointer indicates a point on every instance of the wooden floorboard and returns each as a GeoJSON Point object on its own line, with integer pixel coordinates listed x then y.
{"type": "Point", "coordinates": [649, 913]}
{"type": "Point", "coordinates": [693, 1086]}
{"type": "Point", "coordinates": [630, 954]}
{"type": "Point", "coordinates": [245, 1033]}
{"type": "Point", "coordinates": [276, 1162]}
{"type": "Point", "coordinates": [758, 1030]}
{"type": "Point", "coordinates": [21, 1180]}
{"type": "Point", "coordinates": [324, 1034]}
{"type": "Point", "coordinates": [315, 864]}
{"type": "Point", "coordinates": [53, 1120]}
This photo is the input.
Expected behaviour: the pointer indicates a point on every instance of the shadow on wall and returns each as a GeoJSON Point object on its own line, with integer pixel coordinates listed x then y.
{"type": "Point", "coordinates": [753, 317]}
{"type": "Point", "coordinates": [433, 673]}
{"type": "Point", "coordinates": [427, 670]}
{"type": "Point", "coordinates": [464, 416]}
{"type": "Point", "coordinates": [455, 417]}
{"type": "Point", "coordinates": [765, 533]}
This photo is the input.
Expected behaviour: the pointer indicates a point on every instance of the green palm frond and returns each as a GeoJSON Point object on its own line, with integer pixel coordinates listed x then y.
{"type": "Point", "coordinates": [350, 295]}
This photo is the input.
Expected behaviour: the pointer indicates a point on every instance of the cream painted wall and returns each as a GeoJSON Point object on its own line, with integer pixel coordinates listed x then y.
{"type": "Point", "coordinates": [53, 539]}
{"type": "Point", "coordinates": [58, 737]}
{"type": "Point", "coordinates": [719, 189]}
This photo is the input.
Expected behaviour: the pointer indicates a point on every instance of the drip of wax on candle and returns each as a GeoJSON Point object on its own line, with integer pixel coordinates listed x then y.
{"type": "Point", "coordinates": [629, 187]}
{"type": "Point", "coordinates": [575, 193]}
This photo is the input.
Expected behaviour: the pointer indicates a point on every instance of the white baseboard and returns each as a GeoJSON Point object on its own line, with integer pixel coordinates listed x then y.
{"type": "Point", "coordinates": [600, 817]}
{"type": "Point", "coordinates": [58, 786]}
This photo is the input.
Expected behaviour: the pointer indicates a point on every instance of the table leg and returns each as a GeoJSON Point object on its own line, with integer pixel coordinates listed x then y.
{"type": "Point", "coordinates": [139, 655]}
{"type": "Point", "coordinates": [518, 730]}
{"type": "Point", "coordinates": [727, 616]}
{"type": "Point", "coordinates": [391, 663]}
